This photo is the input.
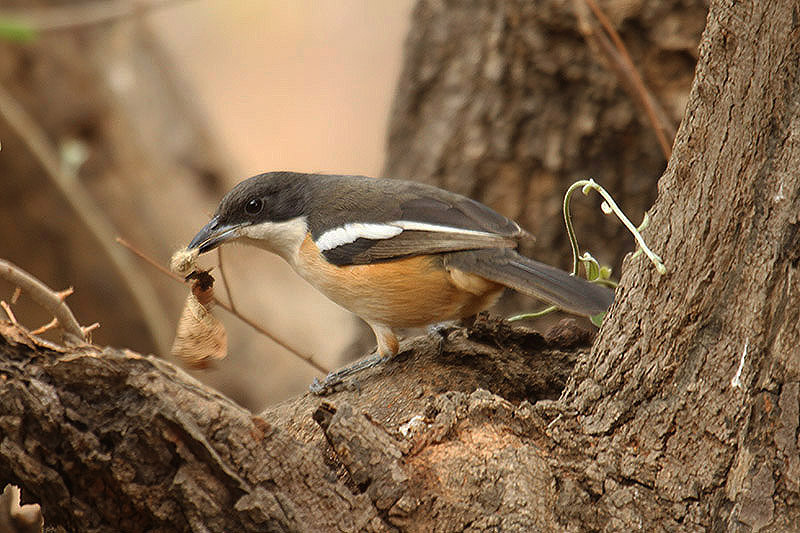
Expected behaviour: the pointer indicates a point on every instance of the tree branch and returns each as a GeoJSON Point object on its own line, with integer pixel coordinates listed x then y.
{"type": "Point", "coordinates": [50, 300]}
{"type": "Point", "coordinates": [112, 439]}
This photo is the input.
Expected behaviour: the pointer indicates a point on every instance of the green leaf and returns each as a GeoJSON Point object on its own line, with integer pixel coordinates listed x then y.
{"type": "Point", "coordinates": [597, 319]}
{"type": "Point", "coordinates": [16, 31]}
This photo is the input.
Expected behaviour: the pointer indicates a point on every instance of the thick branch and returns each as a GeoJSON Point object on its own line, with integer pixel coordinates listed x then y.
{"type": "Point", "coordinates": [111, 439]}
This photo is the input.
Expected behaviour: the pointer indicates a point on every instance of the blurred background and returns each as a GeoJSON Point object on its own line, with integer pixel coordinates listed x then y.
{"type": "Point", "coordinates": [297, 85]}
{"type": "Point", "coordinates": [132, 119]}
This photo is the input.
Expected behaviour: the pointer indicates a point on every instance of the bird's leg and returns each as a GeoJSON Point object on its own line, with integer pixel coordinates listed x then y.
{"type": "Point", "coordinates": [388, 346]}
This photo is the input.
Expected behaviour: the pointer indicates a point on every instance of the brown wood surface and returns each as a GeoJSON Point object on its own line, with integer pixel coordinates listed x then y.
{"type": "Point", "coordinates": [109, 440]}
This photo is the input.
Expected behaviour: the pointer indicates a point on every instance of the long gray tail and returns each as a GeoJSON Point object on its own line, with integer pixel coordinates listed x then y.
{"type": "Point", "coordinates": [507, 267]}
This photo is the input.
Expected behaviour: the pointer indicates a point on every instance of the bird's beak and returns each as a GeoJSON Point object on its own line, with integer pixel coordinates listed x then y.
{"type": "Point", "coordinates": [212, 235]}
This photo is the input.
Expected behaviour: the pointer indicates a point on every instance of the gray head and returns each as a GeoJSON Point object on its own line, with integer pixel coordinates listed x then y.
{"type": "Point", "coordinates": [260, 202]}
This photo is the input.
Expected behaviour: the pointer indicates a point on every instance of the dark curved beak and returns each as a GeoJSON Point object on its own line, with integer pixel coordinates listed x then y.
{"type": "Point", "coordinates": [212, 235]}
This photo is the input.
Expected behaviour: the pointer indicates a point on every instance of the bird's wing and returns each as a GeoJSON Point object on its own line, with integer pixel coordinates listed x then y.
{"type": "Point", "coordinates": [409, 243]}
{"type": "Point", "coordinates": [423, 220]}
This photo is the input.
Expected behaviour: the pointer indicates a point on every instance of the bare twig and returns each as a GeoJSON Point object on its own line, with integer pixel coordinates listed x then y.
{"type": "Point", "coordinates": [9, 312]}
{"type": "Point", "coordinates": [225, 279]}
{"type": "Point", "coordinates": [77, 15]}
{"type": "Point", "coordinates": [620, 60]}
{"type": "Point", "coordinates": [283, 344]}
{"type": "Point", "coordinates": [87, 330]}
{"type": "Point", "coordinates": [15, 296]}
{"type": "Point", "coordinates": [150, 261]}
{"type": "Point", "coordinates": [47, 327]}
{"type": "Point", "coordinates": [87, 211]}
{"type": "Point", "coordinates": [65, 293]}
{"type": "Point", "coordinates": [45, 297]}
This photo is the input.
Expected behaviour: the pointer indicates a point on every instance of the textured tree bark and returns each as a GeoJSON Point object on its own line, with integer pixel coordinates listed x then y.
{"type": "Point", "coordinates": [690, 398]}
{"type": "Point", "coordinates": [108, 440]}
{"type": "Point", "coordinates": [683, 417]}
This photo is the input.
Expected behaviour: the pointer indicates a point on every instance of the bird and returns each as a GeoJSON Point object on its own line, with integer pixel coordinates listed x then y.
{"type": "Point", "coordinates": [398, 254]}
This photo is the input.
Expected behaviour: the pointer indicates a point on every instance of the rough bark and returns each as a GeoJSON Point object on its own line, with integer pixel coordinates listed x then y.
{"type": "Point", "coordinates": [108, 440]}
{"type": "Point", "coordinates": [684, 416]}
{"type": "Point", "coordinates": [692, 391]}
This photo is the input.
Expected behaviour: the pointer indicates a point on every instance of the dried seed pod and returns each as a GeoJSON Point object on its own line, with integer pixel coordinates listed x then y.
{"type": "Point", "coordinates": [184, 261]}
{"type": "Point", "coordinates": [200, 337]}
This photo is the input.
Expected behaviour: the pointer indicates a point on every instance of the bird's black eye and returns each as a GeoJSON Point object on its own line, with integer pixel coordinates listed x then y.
{"type": "Point", "coordinates": [253, 206]}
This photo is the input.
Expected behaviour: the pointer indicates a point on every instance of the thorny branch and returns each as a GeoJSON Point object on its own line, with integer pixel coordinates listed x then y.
{"type": "Point", "coordinates": [52, 301]}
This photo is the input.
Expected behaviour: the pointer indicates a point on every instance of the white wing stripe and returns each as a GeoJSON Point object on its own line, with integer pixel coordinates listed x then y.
{"type": "Point", "coordinates": [369, 230]}
{"type": "Point", "coordinates": [412, 225]}
{"type": "Point", "coordinates": [357, 230]}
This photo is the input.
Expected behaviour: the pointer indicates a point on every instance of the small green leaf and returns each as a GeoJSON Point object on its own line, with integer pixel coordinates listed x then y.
{"type": "Point", "coordinates": [16, 31]}
{"type": "Point", "coordinates": [591, 265]}
{"type": "Point", "coordinates": [597, 319]}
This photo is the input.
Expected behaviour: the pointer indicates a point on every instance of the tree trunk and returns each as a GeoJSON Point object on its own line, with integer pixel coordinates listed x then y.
{"type": "Point", "coordinates": [691, 396]}
{"type": "Point", "coordinates": [684, 416]}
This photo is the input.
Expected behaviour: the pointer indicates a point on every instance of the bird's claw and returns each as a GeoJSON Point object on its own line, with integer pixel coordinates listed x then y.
{"type": "Point", "coordinates": [333, 383]}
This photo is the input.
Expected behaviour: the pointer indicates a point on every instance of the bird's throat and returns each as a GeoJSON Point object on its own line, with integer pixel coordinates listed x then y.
{"type": "Point", "coordinates": [281, 238]}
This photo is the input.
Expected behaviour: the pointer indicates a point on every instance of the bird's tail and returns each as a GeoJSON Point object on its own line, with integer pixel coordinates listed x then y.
{"type": "Point", "coordinates": [507, 267]}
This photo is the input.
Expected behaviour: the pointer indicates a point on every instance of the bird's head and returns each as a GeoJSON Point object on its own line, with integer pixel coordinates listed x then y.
{"type": "Point", "coordinates": [267, 211]}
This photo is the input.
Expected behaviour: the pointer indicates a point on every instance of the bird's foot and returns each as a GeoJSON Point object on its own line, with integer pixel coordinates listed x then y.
{"type": "Point", "coordinates": [335, 381]}
{"type": "Point", "coordinates": [332, 384]}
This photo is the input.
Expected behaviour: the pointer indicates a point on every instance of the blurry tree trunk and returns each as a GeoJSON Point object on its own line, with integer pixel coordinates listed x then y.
{"type": "Point", "coordinates": [683, 417]}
